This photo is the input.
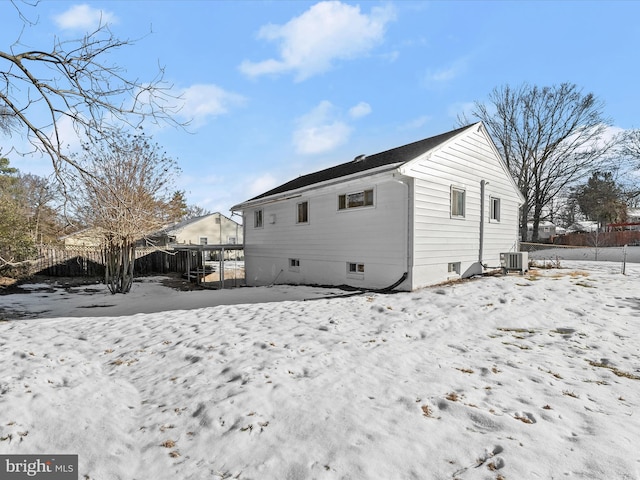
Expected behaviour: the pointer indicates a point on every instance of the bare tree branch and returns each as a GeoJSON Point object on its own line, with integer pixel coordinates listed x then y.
{"type": "Point", "coordinates": [549, 137]}
{"type": "Point", "coordinates": [73, 81]}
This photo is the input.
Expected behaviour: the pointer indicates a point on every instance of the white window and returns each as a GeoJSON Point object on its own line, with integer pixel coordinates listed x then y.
{"type": "Point", "coordinates": [454, 267]}
{"type": "Point", "coordinates": [355, 270]}
{"type": "Point", "coordinates": [494, 204]}
{"type": "Point", "coordinates": [356, 199]}
{"type": "Point", "coordinates": [457, 202]}
{"type": "Point", "coordinates": [294, 264]}
{"type": "Point", "coordinates": [257, 219]}
{"type": "Point", "coordinates": [302, 212]}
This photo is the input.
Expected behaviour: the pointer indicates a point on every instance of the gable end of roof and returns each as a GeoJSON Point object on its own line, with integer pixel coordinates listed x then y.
{"type": "Point", "coordinates": [362, 163]}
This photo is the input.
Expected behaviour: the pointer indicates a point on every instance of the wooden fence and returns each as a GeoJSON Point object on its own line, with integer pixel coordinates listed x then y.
{"type": "Point", "coordinates": [599, 239]}
{"type": "Point", "coordinates": [79, 261]}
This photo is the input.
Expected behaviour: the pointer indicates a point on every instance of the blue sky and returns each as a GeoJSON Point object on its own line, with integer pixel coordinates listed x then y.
{"type": "Point", "coordinates": [277, 89]}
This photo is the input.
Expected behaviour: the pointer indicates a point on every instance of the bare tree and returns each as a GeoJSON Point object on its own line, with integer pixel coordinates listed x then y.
{"type": "Point", "coordinates": [41, 200]}
{"type": "Point", "coordinates": [124, 192]}
{"type": "Point", "coordinates": [630, 152]}
{"type": "Point", "coordinates": [73, 81]}
{"type": "Point", "coordinates": [631, 145]}
{"type": "Point", "coordinates": [194, 211]}
{"type": "Point", "coordinates": [549, 137]}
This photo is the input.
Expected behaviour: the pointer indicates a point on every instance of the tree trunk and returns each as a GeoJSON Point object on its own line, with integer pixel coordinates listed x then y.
{"type": "Point", "coordinates": [120, 260]}
{"type": "Point", "coordinates": [524, 214]}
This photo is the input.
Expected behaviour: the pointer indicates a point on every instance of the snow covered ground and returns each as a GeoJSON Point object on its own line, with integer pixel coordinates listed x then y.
{"type": "Point", "coordinates": [506, 377]}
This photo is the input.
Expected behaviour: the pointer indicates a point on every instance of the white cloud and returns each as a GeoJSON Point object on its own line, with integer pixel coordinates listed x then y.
{"type": "Point", "coordinates": [83, 17]}
{"type": "Point", "coordinates": [204, 101]}
{"type": "Point", "coordinates": [320, 130]}
{"type": "Point", "coordinates": [462, 110]}
{"type": "Point", "coordinates": [416, 123]}
{"type": "Point", "coordinates": [261, 184]}
{"type": "Point", "coordinates": [436, 78]}
{"type": "Point", "coordinates": [360, 110]}
{"type": "Point", "coordinates": [328, 31]}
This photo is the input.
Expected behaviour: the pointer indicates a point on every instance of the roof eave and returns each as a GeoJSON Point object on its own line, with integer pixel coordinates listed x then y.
{"type": "Point", "coordinates": [299, 191]}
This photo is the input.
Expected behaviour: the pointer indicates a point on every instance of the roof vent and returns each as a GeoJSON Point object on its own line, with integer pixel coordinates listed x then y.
{"type": "Point", "coordinates": [360, 158]}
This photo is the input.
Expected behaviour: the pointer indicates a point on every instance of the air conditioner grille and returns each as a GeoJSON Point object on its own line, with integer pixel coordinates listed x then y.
{"type": "Point", "coordinates": [514, 261]}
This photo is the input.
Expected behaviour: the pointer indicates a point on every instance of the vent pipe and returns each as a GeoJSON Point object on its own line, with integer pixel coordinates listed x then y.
{"type": "Point", "coordinates": [359, 158]}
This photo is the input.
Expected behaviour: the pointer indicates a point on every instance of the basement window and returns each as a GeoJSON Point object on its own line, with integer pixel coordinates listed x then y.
{"type": "Point", "coordinates": [356, 199]}
{"type": "Point", "coordinates": [355, 270]}
{"type": "Point", "coordinates": [294, 264]}
{"type": "Point", "coordinates": [454, 267]}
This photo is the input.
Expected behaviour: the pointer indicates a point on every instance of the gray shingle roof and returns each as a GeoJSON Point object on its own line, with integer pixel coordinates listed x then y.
{"type": "Point", "coordinates": [398, 155]}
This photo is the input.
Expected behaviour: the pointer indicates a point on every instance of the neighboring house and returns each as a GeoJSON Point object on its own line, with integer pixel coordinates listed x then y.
{"type": "Point", "coordinates": [546, 231]}
{"type": "Point", "coordinates": [212, 229]}
{"type": "Point", "coordinates": [633, 215]}
{"type": "Point", "coordinates": [585, 226]}
{"type": "Point", "coordinates": [88, 237]}
{"type": "Point", "coordinates": [434, 210]}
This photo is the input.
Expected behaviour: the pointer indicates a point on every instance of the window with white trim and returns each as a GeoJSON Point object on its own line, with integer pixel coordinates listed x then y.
{"type": "Point", "coordinates": [363, 198]}
{"type": "Point", "coordinates": [454, 267]}
{"type": "Point", "coordinates": [302, 212]}
{"type": "Point", "coordinates": [457, 202]}
{"type": "Point", "coordinates": [355, 270]}
{"type": "Point", "coordinates": [494, 205]}
{"type": "Point", "coordinates": [294, 264]}
{"type": "Point", "coordinates": [257, 218]}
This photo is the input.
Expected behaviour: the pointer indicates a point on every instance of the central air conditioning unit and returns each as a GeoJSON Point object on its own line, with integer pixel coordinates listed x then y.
{"type": "Point", "coordinates": [514, 262]}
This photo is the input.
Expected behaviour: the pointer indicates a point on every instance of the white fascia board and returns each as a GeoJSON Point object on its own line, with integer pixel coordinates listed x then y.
{"type": "Point", "coordinates": [316, 186]}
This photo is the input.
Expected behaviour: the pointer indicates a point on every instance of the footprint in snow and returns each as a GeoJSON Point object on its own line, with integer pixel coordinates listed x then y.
{"type": "Point", "coordinates": [488, 458]}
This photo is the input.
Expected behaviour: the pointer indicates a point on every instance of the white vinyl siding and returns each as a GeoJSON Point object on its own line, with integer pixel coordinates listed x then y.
{"type": "Point", "coordinates": [374, 235]}
{"type": "Point", "coordinates": [438, 235]}
{"type": "Point", "coordinates": [391, 222]}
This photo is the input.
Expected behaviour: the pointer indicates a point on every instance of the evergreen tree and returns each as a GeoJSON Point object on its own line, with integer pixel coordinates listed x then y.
{"type": "Point", "coordinates": [601, 199]}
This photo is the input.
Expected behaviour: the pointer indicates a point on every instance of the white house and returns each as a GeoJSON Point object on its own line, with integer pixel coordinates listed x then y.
{"type": "Point", "coordinates": [87, 237]}
{"type": "Point", "coordinates": [211, 229]}
{"type": "Point", "coordinates": [546, 230]}
{"type": "Point", "coordinates": [427, 212]}
{"type": "Point", "coordinates": [633, 215]}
